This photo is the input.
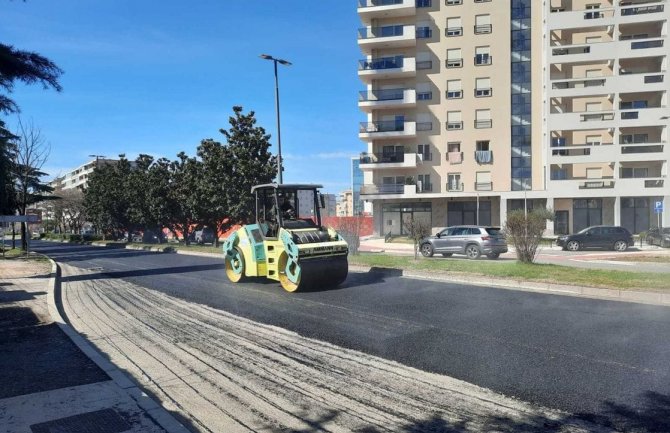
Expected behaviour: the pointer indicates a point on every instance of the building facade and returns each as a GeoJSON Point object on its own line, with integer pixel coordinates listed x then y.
{"type": "Point", "coordinates": [78, 177]}
{"type": "Point", "coordinates": [345, 204]}
{"type": "Point", "coordinates": [467, 101]}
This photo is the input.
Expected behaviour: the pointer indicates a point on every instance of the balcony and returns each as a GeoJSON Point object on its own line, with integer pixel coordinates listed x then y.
{"type": "Point", "coordinates": [388, 189]}
{"type": "Point", "coordinates": [484, 156]}
{"type": "Point", "coordinates": [379, 161]}
{"type": "Point", "coordinates": [371, 9]}
{"type": "Point", "coordinates": [369, 100]}
{"type": "Point", "coordinates": [640, 186]}
{"type": "Point", "coordinates": [643, 152]}
{"type": "Point", "coordinates": [456, 186]}
{"type": "Point", "coordinates": [643, 116]}
{"type": "Point", "coordinates": [577, 153]}
{"type": "Point", "coordinates": [602, 51]}
{"type": "Point", "coordinates": [483, 123]}
{"type": "Point", "coordinates": [623, 83]}
{"type": "Point", "coordinates": [564, 20]}
{"type": "Point", "coordinates": [386, 129]}
{"type": "Point", "coordinates": [640, 13]}
{"type": "Point", "coordinates": [596, 184]}
{"type": "Point", "coordinates": [399, 36]}
{"type": "Point", "coordinates": [581, 120]}
{"type": "Point", "coordinates": [386, 67]}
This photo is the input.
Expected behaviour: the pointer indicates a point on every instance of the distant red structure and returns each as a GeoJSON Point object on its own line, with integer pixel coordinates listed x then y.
{"type": "Point", "coordinates": [366, 223]}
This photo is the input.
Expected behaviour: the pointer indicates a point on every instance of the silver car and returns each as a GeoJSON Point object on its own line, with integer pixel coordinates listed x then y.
{"type": "Point", "coordinates": [472, 241]}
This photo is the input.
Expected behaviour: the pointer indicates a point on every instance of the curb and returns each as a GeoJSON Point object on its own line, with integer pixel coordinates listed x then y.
{"type": "Point", "coordinates": [152, 408]}
{"type": "Point", "coordinates": [649, 298]}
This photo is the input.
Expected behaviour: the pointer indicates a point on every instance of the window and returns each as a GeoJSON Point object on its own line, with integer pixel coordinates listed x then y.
{"type": "Point", "coordinates": [483, 24]}
{"type": "Point", "coordinates": [559, 173]}
{"type": "Point", "coordinates": [454, 58]}
{"type": "Point", "coordinates": [483, 87]}
{"type": "Point", "coordinates": [586, 212]}
{"type": "Point", "coordinates": [628, 105]}
{"type": "Point", "coordinates": [483, 145]}
{"type": "Point", "coordinates": [423, 60]}
{"type": "Point", "coordinates": [454, 146]}
{"type": "Point", "coordinates": [592, 15]}
{"type": "Point", "coordinates": [424, 32]}
{"type": "Point", "coordinates": [593, 140]}
{"type": "Point", "coordinates": [454, 89]}
{"type": "Point", "coordinates": [634, 138]}
{"type": "Point", "coordinates": [482, 56]}
{"type": "Point", "coordinates": [423, 183]}
{"type": "Point", "coordinates": [454, 120]}
{"type": "Point", "coordinates": [424, 151]}
{"type": "Point", "coordinates": [454, 182]}
{"type": "Point", "coordinates": [634, 172]}
{"type": "Point", "coordinates": [483, 182]}
{"type": "Point", "coordinates": [423, 92]}
{"type": "Point", "coordinates": [453, 2]}
{"type": "Point", "coordinates": [424, 3]}
{"type": "Point", "coordinates": [454, 27]}
{"type": "Point", "coordinates": [483, 119]}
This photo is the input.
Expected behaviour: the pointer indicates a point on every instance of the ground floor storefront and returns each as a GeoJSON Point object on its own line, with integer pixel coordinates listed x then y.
{"type": "Point", "coordinates": [637, 214]}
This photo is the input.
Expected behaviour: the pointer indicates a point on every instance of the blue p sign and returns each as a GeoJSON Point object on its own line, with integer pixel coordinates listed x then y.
{"type": "Point", "coordinates": [658, 206]}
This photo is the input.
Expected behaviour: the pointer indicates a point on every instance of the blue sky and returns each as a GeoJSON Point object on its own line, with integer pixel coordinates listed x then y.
{"type": "Point", "coordinates": [157, 77]}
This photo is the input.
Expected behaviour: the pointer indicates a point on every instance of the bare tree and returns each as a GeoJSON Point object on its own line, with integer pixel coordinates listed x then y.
{"type": "Point", "coordinates": [350, 229]}
{"type": "Point", "coordinates": [524, 230]}
{"type": "Point", "coordinates": [32, 151]}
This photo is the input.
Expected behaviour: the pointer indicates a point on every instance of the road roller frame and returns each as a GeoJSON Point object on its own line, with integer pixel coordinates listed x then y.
{"type": "Point", "coordinates": [286, 244]}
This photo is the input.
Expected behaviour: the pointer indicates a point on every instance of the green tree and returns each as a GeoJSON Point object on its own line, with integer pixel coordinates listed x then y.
{"type": "Point", "coordinates": [7, 155]}
{"type": "Point", "coordinates": [106, 199]}
{"type": "Point", "coordinates": [185, 182]}
{"type": "Point", "coordinates": [216, 164]}
{"type": "Point", "coordinates": [524, 231]}
{"type": "Point", "coordinates": [248, 147]}
{"type": "Point", "coordinates": [27, 67]}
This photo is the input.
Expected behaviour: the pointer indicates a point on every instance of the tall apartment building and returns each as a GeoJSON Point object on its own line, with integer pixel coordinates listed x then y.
{"type": "Point", "coordinates": [607, 112]}
{"type": "Point", "coordinates": [467, 100]}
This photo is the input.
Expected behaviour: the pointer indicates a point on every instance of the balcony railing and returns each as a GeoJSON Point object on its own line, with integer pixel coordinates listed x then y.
{"type": "Point", "coordinates": [382, 158]}
{"type": "Point", "coordinates": [484, 156]}
{"type": "Point", "coordinates": [483, 59]}
{"type": "Point", "coordinates": [653, 79]}
{"type": "Point", "coordinates": [453, 31]}
{"type": "Point", "coordinates": [454, 63]}
{"type": "Point", "coordinates": [381, 95]}
{"type": "Point", "coordinates": [454, 125]}
{"type": "Point", "coordinates": [380, 63]}
{"type": "Point", "coordinates": [455, 186]}
{"type": "Point", "coordinates": [596, 117]}
{"type": "Point", "coordinates": [567, 51]}
{"type": "Point", "coordinates": [424, 126]}
{"type": "Point", "coordinates": [578, 84]}
{"type": "Point", "coordinates": [596, 184]}
{"type": "Point", "coordinates": [483, 28]}
{"type": "Point", "coordinates": [380, 32]}
{"type": "Point", "coordinates": [398, 188]}
{"type": "Point", "coordinates": [639, 10]}
{"type": "Point", "coordinates": [424, 187]}
{"type": "Point", "coordinates": [483, 93]}
{"type": "Point", "coordinates": [641, 45]}
{"type": "Point", "coordinates": [654, 183]}
{"type": "Point", "coordinates": [483, 186]}
{"type": "Point", "coordinates": [483, 124]}
{"type": "Point", "coordinates": [426, 64]}
{"type": "Point", "coordinates": [375, 3]}
{"type": "Point", "coordinates": [382, 126]}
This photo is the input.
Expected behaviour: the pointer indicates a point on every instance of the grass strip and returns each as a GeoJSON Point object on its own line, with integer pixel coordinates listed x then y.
{"type": "Point", "coordinates": [514, 270]}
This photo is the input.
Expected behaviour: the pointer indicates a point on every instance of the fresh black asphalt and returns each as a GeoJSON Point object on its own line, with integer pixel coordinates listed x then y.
{"type": "Point", "coordinates": [602, 360]}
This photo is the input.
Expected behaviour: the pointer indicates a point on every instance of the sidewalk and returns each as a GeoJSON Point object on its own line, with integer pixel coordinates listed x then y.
{"type": "Point", "coordinates": [47, 384]}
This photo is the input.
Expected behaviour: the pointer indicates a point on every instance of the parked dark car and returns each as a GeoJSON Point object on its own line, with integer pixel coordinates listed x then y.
{"type": "Point", "coordinates": [609, 237]}
{"type": "Point", "coordinates": [472, 241]}
{"type": "Point", "coordinates": [660, 237]}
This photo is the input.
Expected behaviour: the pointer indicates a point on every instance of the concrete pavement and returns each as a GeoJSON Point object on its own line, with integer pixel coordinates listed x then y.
{"type": "Point", "coordinates": [47, 384]}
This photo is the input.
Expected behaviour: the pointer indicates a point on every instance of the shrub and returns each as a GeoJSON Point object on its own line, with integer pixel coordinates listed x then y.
{"type": "Point", "coordinates": [524, 231]}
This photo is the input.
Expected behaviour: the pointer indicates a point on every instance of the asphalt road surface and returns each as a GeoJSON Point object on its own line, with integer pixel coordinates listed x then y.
{"type": "Point", "coordinates": [606, 362]}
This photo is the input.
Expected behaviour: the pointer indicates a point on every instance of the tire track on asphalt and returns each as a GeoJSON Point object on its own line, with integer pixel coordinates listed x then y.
{"type": "Point", "coordinates": [276, 369]}
{"type": "Point", "coordinates": [156, 345]}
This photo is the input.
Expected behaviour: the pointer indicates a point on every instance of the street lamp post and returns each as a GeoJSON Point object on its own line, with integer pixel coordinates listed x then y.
{"type": "Point", "coordinates": [285, 63]}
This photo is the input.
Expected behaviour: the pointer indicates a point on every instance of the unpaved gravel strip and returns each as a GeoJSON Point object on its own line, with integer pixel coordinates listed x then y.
{"type": "Point", "coordinates": [227, 373]}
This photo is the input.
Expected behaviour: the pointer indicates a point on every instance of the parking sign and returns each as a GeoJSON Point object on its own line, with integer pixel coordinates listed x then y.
{"type": "Point", "coordinates": [658, 207]}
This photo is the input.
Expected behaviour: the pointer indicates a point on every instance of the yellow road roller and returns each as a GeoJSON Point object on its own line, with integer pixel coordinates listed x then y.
{"type": "Point", "coordinates": [288, 243]}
